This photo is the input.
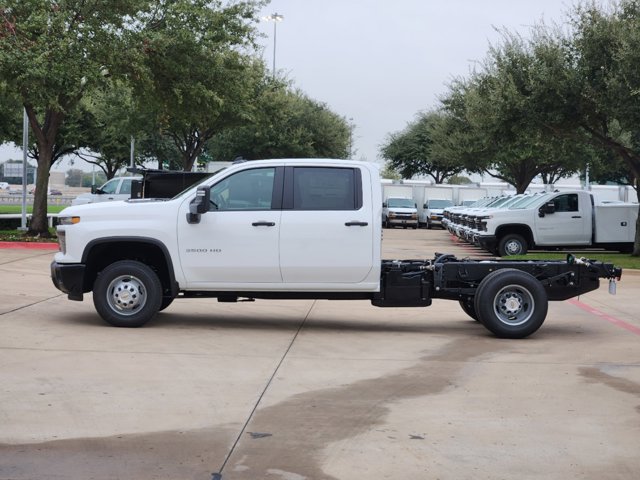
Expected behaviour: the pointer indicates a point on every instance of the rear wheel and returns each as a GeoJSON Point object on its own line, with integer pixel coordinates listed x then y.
{"type": "Point", "coordinates": [511, 303]}
{"type": "Point", "coordinates": [127, 294]}
{"type": "Point", "coordinates": [468, 307]}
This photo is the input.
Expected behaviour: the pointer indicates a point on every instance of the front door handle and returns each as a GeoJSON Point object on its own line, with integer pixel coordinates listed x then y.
{"type": "Point", "coordinates": [356, 224]}
{"type": "Point", "coordinates": [576, 216]}
{"type": "Point", "coordinates": [264, 224]}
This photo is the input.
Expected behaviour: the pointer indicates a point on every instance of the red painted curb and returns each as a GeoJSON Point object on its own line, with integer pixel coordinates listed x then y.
{"type": "Point", "coordinates": [30, 245]}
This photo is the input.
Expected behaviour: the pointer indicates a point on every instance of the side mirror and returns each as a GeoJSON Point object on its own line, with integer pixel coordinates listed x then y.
{"type": "Point", "coordinates": [199, 205]}
{"type": "Point", "coordinates": [415, 205]}
{"type": "Point", "coordinates": [425, 206]}
{"type": "Point", "coordinates": [384, 204]}
{"type": "Point", "coordinates": [548, 207]}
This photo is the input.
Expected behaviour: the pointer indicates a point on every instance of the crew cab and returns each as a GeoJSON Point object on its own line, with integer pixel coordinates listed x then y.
{"type": "Point", "coordinates": [288, 229]}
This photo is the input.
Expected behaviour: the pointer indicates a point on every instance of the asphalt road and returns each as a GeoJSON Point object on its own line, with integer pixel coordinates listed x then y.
{"type": "Point", "coordinates": [294, 390]}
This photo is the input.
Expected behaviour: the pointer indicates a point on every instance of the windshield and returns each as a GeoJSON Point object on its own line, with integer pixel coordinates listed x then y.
{"type": "Point", "coordinates": [528, 201]}
{"type": "Point", "coordinates": [400, 203]}
{"type": "Point", "coordinates": [440, 203]}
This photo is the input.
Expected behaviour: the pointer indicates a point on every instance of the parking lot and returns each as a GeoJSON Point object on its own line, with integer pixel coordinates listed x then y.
{"type": "Point", "coordinates": [294, 390]}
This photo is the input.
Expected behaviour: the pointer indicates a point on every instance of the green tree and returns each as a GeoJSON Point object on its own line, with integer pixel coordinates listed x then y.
{"type": "Point", "coordinates": [110, 119]}
{"type": "Point", "coordinates": [410, 152]}
{"type": "Point", "coordinates": [196, 78]}
{"type": "Point", "coordinates": [74, 177]}
{"type": "Point", "coordinates": [50, 54]}
{"type": "Point", "coordinates": [286, 124]}
{"type": "Point", "coordinates": [590, 89]}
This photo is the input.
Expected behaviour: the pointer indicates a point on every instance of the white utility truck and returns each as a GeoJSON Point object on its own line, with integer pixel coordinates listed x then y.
{"type": "Point", "coordinates": [288, 229]}
{"type": "Point", "coordinates": [568, 219]}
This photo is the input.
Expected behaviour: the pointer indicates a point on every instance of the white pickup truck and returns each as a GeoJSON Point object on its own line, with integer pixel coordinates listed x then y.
{"type": "Point", "coordinates": [554, 220]}
{"type": "Point", "coordinates": [118, 188]}
{"type": "Point", "coordinates": [288, 229]}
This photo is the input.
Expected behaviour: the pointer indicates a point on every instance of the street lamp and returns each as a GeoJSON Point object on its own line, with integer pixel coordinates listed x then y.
{"type": "Point", "coordinates": [275, 18]}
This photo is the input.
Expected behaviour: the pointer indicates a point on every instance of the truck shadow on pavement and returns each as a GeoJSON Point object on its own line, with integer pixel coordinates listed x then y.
{"type": "Point", "coordinates": [458, 325]}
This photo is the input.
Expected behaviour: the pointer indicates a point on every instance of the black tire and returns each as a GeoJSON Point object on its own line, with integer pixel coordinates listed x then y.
{"type": "Point", "coordinates": [511, 303]}
{"type": "Point", "coordinates": [512, 244]}
{"type": "Point", "coordinates": [385, 223]}
{"type": "Point", "coordinates": [469, 308]}
{"type": "Point", "coordinates": [127, 294]}
{"type": "Point", "coordinates": [166, 301]}
{"type": "Point", "coordinates": [428, 225]}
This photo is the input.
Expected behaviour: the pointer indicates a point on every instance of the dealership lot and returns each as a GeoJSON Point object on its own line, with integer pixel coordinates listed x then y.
{"type": "Point", "coordinates": [298, 390]}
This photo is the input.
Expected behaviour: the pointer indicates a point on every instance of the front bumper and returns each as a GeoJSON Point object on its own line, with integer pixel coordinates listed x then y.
{"type": "Point", "coordinates": [404, 222]}
{"type": "Point", "coordinates": [488, 242]}
{"type": "Point", "coordinates": [69, 279]}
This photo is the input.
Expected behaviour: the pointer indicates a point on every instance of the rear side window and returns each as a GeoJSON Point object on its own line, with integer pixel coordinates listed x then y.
{"type": "Point", "coordinates": [326, 188]}
{"type": "Point", "coordinates": [126, 186]}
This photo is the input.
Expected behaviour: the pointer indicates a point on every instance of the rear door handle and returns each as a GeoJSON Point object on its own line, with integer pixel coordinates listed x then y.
{"type": "Point", "coordinates": [356, 224]}
{"type": "Point", "coordinates": [576, 216]}
{"type": "Point", "coordinates": [264, 224]}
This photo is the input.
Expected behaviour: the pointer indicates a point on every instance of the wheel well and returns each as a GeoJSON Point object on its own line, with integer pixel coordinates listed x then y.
{"type": "Point", "coordinates": [522, 230]}
{"type": "Point", "coordinates": [97, 256]}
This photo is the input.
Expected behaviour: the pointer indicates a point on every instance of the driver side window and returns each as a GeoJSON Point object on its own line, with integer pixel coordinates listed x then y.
{"type": "Point", "coordinates": [246, 190]}
{"type": "Point", "coordinates": [111, 186]}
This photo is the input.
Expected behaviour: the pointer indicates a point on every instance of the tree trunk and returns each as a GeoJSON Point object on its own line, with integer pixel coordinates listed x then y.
{"type": "Point", "coordinates": [636, 243]}
{"type": "Point", "coordinates": [38, 224]}
{"type": "Point", "coordinates": [46, 139]}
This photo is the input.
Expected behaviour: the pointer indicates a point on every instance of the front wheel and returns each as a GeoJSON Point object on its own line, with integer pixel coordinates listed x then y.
{"type": "Point", "coordinates": [127, 294]}
{"type": "Point", "coordinates": [511, 303]}
{"type": "Point", "coordinates": [512, 244]}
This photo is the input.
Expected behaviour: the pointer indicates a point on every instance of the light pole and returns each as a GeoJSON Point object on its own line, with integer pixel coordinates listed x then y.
{"type": "Point", "coordinates": [275, 18]}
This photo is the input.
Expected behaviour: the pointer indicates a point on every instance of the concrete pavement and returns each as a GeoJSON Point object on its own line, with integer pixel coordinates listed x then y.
{"type": "Point", "coordinates": [298, 390]}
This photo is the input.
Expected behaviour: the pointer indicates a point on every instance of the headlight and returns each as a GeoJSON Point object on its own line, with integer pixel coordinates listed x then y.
{"type": "Point", "coordinates": [392, 214]}
{"type": "Point", "coordinates": [68, 220]}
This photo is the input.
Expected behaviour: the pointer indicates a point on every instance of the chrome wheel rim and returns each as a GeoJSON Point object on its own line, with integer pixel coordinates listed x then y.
{"type": "Point", "coordinates": [126, 295]}
{"type": "Point", "coordinates": [513, 247]}
{"type": "Point", "coordinates": [513, 305]}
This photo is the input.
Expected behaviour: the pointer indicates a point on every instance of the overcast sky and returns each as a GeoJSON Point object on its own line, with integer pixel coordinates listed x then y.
{"type": "Point", "coordinates": [380, 62]}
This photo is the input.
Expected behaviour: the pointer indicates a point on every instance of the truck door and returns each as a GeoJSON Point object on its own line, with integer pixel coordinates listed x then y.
{"type": "Point", "coordinates": [569, 224]}
{"type": "Point", "coordinates": [326, 234]}
{"type": "Point", "coordinates": [237, 240]}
